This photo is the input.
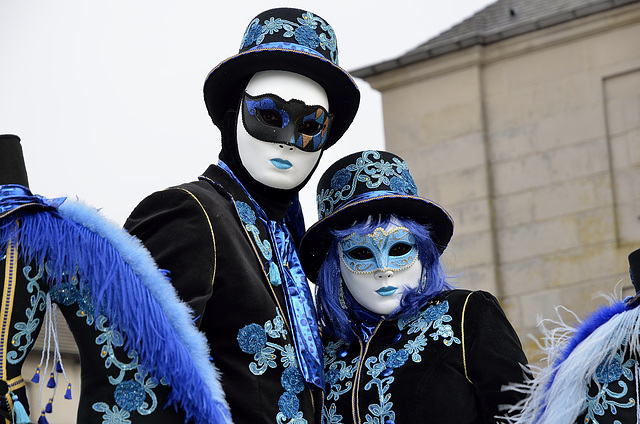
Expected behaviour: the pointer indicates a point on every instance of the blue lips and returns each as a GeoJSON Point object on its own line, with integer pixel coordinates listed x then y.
{"type": "Point", "coordinates": [281, 163]}
{"type": "Point", "coordinates": [386, 291]}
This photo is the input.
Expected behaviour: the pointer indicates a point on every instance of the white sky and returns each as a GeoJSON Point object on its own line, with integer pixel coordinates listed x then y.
{"type": "Point", "coordinates": [107, 95]}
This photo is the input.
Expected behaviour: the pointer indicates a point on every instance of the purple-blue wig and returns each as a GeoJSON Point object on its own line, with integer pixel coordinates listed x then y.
{"type": "Point", "coordinates": [336, 320]}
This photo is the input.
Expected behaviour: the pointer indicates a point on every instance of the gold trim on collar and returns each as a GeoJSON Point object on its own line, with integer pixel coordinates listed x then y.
{"type": "Point", "coordinates": [464, 354]}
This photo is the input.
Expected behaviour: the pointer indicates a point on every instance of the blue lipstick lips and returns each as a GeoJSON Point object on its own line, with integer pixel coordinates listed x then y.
{"type": "Point", "coordinates": [386, 291]}
{"type": "Point", "coordinates": [281, 163]}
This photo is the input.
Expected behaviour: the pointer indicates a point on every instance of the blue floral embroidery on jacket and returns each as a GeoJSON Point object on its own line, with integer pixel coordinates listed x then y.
{"type": "Point", "coordinates": [38, 302]}
{"type": "Point", "coordinates": [252, 338]}
{"type": "Point", "coordinates": [129, 394]}
{"type": "Point", "coordinates": [613, 392]}
{"type": "Point", "coordinates": [115, 416]}
{"type": "Point", "coordinates": [429, 326]}
{"type": "Point", "coordinates": [292, 380]}
{"type": "Point", "coordinates": [248, 217]}
{"type": "Point", "coordinates": [255, 339]}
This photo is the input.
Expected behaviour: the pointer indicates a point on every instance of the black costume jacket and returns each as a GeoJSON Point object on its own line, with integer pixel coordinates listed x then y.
{"type": "Point", "coordinates": [215, 261]}
{"type": "Point", "coordinates": [613, 396]}
{"type": "Point", "coordinates": [444, 365]}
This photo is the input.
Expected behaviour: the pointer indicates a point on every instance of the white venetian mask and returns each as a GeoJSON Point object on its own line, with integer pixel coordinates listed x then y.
{"type": "Point", "coordinates": [272, 100]}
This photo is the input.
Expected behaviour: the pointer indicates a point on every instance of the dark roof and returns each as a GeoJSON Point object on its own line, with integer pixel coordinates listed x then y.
{"type": "Point", "coordinates": [498, 21]}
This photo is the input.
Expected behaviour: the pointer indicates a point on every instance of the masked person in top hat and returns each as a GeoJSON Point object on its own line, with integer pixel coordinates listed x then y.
{"type": "Point", "coordinates": [401, 345]}
{"type": "Point", "coordinates": [225, 239]}
{"type": "Point", "coordinates": [137, 343]}
{"type": "Point", "coordinates": [592, 370]}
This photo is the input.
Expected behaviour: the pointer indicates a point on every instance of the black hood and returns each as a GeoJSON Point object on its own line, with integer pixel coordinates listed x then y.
{"type": "Point", "coordinates": [274, 201]}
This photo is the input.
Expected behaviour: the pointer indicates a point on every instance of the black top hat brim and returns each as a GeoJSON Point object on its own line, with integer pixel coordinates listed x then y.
{"type": "Point", "coordinates": [225, 83]}
{"type": "Point", "coordinates": [318, 239]}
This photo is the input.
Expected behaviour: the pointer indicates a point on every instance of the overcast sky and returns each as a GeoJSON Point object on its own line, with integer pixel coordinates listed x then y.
{"type": "Point", "coordinates": [107, 95]}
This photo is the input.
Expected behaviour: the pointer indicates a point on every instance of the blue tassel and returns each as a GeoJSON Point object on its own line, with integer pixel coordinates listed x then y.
{"type": "Point", "coordinates": [58, 367]}
{"type": "Point", "coordinates": [19, 412]}
{"type": "Point", "coordinates": [42, 419]}
{"type": "Point", "coordinates": [36, 376]}
{"type": "Point", "coordinates": [274, 274]}
{"type": "Point", "coordinates": [52, 382]}
{"type": "Point", "coordinates": [67, 394]}
{"type": "Point", "coordinates": [49, 408]}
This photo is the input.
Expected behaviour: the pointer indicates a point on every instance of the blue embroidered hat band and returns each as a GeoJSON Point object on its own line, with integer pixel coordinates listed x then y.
{"type": "Point", "coordinates": [291, 47]}
{"type": "Point", "coordinates": [285, 39]}
{"type": "Point", "coordinates": [365, 184]}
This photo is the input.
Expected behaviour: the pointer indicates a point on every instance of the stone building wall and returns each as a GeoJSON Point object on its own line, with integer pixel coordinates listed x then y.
{"type": "Point", "coordinates": [533, 145]}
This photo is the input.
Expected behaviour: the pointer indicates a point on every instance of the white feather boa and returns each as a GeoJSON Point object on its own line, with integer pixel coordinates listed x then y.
{"type": "Point", "coordinates": [558, 392]}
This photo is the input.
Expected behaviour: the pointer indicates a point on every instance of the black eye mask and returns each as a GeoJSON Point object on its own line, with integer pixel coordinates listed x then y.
{"type": "Point", "coordinates": [270, 118]}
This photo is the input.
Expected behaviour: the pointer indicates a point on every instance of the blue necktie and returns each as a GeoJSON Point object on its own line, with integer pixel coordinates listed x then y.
{"type": "Point", "coordinates": [299, 305]}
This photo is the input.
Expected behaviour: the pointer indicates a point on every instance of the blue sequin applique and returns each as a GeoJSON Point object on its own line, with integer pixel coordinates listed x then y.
{"type": "Point", "coordinates": [613, 392]}
{"type": "Point", "coordinates": [430, 324]}
{"type": "Point", "coordinates": [254, 339]}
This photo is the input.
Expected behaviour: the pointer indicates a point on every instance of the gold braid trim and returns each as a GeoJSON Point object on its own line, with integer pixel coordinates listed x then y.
{"type": "Point", "coordinates": [464, 353]}
{"type": "Point", "coordinates": [8, 290]}
{"type": "Point", "coordinates": [213, 236]}
{"type": "Point", "coordinates": [13, 384]}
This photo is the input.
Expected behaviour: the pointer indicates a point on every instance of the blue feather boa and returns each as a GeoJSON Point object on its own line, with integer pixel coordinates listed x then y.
{"type": "Point", "coordinates": [136, 296]}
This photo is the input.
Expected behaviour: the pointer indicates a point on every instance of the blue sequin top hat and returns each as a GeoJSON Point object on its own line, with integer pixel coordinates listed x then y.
{"type": "Point", "coordinates": [292, 40]}
{"type": "Point", "coordinates": [368, 183]}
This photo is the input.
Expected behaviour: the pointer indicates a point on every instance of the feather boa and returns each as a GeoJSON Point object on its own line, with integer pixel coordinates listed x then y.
{"type": "Point", "coordinates": [136, 296]}
{"type": "Point", "coordinates": [557, 394]}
